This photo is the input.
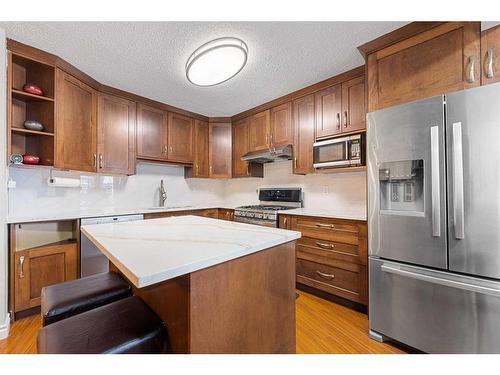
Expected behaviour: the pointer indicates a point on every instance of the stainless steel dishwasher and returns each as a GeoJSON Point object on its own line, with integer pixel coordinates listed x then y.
{"type": "Point", "coordinates": [92, 260]}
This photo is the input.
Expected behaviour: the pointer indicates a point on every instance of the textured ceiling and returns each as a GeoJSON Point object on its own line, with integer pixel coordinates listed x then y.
{"type": "Point", "coordinates": [148, 58]}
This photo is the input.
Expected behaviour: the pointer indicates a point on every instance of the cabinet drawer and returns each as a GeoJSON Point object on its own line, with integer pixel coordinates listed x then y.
{"type": "Point", "coordinates": [330, 250]}
{"type": "Point", "coordinates": [339, 281]}
{"type": "Point", "coordinates": [326, 229]}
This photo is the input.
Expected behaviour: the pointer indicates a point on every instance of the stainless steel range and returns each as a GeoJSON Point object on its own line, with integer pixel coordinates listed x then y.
{"type": "Point", "coordinates": [271, 200]}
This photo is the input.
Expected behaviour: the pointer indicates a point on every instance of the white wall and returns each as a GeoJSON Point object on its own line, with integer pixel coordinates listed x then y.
{"type": "Point", "coordinates": [4, 319]}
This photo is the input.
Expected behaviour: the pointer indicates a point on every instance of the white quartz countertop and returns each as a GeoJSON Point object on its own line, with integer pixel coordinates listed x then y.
{"type": "Point", "coordinates": [152, 251]}
{"type": "Point", "coordinates": [339, 214]}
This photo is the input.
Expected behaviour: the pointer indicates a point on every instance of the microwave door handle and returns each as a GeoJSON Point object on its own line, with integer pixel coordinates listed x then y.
{"type": "Point", "coordinates": [435, 188]}
{"type": "Point", "coordinates": [458, 181]}
{"type": "Point", "coordinates": [346, 150]}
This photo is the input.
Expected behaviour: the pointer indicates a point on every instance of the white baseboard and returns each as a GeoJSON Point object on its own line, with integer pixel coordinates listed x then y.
{"type": "Point", "coordinates": [4, 327]}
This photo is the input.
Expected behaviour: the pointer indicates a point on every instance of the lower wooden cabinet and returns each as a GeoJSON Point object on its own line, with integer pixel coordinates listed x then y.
{"type": "Point", "coordinates": [226, 214]}
{"type": "Point", "coordinates": [40, 267]}
{"type": "Point", "coordinates": [331, 255]}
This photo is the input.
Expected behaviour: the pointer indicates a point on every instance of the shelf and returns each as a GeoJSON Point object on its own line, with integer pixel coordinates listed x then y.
{"type": "Point", "coordinates": [33, 132]}
{"type": "Point", "coordinates": [342, 170]}
{"type": "Point", "coordinates": [27, 97]}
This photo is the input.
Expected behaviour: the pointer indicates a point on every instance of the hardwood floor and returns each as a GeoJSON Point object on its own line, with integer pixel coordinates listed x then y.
{"type": "Point", "coordinates": [323, 327]}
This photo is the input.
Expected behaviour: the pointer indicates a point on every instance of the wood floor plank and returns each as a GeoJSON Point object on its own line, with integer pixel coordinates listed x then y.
{"type": "Point", "coordinates": [323, 327]}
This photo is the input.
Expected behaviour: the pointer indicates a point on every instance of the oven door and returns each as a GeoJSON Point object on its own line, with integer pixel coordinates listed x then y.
{"type": "Point", "coordinates": [338, 152]}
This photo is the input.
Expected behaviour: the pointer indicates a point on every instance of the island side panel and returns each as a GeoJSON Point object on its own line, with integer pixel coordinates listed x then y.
{"type": "Point", "coordinates": [246, 305]}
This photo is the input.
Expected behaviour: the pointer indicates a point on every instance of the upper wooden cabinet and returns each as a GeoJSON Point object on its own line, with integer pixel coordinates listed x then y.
{"type": "Point", "coordinates": [152, 131]}
{"type": "Point", "coordinates": [115, 135]}
{"type": "Point", "coordinates": [442, 59]}
{"type": "Point", "coordinates": [490, 53]}
{"type": "Point", "coordinates": [180, 138]}
{"type": "Point", "coordinates": [281, 125]}
{"type": "Point", "coordinates": [220, 150]}
{"type": "Point", "coordinates": [201, 144]}
{"type": "Point", "coordinates": [328, 111]}
{"type": "Point", "coordinates": [353, 105]}
{"type": "Point", "coordinates": [259, 129]}
{"type": "Point", "coordinates": [75, 125]}
{"type": "Point", "coordinates": [303, 120]}
{"type": "Point", "coordinates": [240, 147]}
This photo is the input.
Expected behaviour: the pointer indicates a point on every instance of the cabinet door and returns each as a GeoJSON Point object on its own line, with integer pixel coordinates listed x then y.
{"type": "Point", "coordinates": [281, 125]}
{"type": "Point", "coordinates": [41, 267]}
{"type": "Point", "coordinates": [303, 119]}
{"type": "Point", "coordinates": [151, 133]}
{"type": "Point", "coordinates": [75, 129]}
{"type": "Point", "coordinates": [353, 105]}
{"type": "Point", "coordinates": [220, 150]}
{"type": "Point", "coordinates": [328, 111]}
{"type": "Point", "coordinates": [490, 55]}
{"type": "Point", "coordinates": [440, 60]}
{"type": "Point", "coordinates": [240, 147]}
{"type": "Point", "coordinates": [201, 133]}
{"type": "Point", "coordinates": [115, 135]}
{"type": "Point", "coordinates": [180, 138]}
{"type": "Point", "coordinates": [259, 129]}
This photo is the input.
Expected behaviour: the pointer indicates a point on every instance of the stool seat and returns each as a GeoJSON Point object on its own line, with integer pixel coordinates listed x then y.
{"type": "Point", "coordinates": [125, 326]}
{"type": "Point", "coordinates": [61, 301]}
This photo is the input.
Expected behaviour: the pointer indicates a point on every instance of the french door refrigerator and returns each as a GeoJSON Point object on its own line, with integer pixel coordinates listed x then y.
{"type": "Point", "coordinates": [434, 222]}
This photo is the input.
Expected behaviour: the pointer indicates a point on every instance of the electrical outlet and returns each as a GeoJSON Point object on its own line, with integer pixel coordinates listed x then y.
{"type": "Point", "coordinates": [326, 189]}
{"type": "Point", "coordinates": [11, 184]}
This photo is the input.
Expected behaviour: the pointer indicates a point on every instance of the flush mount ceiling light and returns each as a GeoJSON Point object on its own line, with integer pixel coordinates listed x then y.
{"type": "Point", "coordinates": [216, 61]}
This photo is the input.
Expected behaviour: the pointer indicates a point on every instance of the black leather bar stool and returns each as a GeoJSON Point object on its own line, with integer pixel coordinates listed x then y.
{"type": "Point", "coordinates": [60, 301]}
{"type": "Point", "coordinates": [125, 326]}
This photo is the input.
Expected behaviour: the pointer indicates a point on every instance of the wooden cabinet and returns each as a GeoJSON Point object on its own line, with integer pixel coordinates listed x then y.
{"type": "Point", "coordinates": [331, 255]}
{"type": "Point", "coordinates": [259, 129]}
{"type": "Point", "coordinates": [75, 125]}
{"type": "Point", "coordinates": [115, 135]}
{"type": "Point", "coordinates": [490, 55]}
{"type": "Point", "coordinates": [220, 150]}
{"type": "Point", "coordinates": [303, 122]}
{"type": "Point", "coordinates": [209, 212]}
{"type": "Point", "coordinates": [281, 125]}
{"type": "Point", "coordinates": [442, 59]}
{"type": "Point", "coordinates": [180, 138]}
{"type": "Point", "coordinates": [151, 133]}
{"type": "Point", "coordinates": [40, 267]}
{"type": "Point", "coordinates": [200, 165]}
{"type": "Point", "coordinates": [328, 111]}
{"type": "Point", "coordinates": [353, 105]}
{"type": "Point", "coordinates": [240, 147]}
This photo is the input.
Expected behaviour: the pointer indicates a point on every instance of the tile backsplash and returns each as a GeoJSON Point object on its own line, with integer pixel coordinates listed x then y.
{"type": "Point", "coordinates": [32, 196]}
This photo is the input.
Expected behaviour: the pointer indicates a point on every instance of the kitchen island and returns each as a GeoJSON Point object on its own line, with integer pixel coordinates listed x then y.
{"type": "Point", "coordinates": [219, 286]}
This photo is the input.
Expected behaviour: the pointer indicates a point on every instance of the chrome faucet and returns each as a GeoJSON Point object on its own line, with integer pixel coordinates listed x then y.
{"type": "Point", "coordinates": [163, 194]}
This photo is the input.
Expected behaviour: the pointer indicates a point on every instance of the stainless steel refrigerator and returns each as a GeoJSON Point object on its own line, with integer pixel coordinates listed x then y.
{"type": "Point", "coordinates": [434, 222]}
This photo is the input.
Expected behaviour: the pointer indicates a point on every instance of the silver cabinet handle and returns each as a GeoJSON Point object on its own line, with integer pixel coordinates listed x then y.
{"type": "Point", "coordinates": [472, 64]}
{"type": "Point", "coordinates": [330, 226]}
{"type": "Point", "coordinates": [285, 219]}
{"type": "Point", "coordinates": [397, 270]}
{"type": "Point", "coordinates": [458, 181]}
{"type": "Point", "coordinates": [328, 276]}
{"type": "Point", "coordinates": [435, 183]}
{"type": "Point", "coordinates": [489, 64]}
{"type": "Point", "coordinates": [171, 149]}
{"type": "Point", "coordinates": [338, 120]}
{"type": "Point", "coordinates": [325, 245]}
{"type": "Point", "coordinates": [21, 267]}
{"type": "Point", "coordinates": [100, 161]}
{"type": "Point", "coordinates": [345, 119]}
{"type": "Point", "coordinates": [95, 160]}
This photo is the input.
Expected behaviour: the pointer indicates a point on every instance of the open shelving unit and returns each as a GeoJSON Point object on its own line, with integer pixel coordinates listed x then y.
{"type": "Point", "coordinates": [25, 106]}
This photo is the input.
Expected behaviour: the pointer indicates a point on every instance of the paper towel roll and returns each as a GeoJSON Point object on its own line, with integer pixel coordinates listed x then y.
{"type": "Point", "coordinates": [63, 182]}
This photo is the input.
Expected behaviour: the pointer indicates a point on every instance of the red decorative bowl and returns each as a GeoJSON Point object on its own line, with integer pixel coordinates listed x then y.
{"type": "Point", "coordinates": [30, 159]}
{"type": "Point", "coordinates": [32, 89]}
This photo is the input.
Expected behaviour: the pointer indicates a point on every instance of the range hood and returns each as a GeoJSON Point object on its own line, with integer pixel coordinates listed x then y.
{"type": "Point", "coordinates": [267, 156]}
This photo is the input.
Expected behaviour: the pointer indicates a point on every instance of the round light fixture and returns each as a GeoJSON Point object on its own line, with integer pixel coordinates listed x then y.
{"type": "Point", "coordinates": [216, 61]}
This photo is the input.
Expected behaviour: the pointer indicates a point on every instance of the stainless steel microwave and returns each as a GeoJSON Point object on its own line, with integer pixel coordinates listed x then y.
{"type": "Point", "coordinates": [340, 152]}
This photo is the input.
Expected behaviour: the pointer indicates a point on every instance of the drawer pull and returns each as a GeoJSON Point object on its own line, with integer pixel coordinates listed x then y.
{"type": "Point", "coordinates": [325, 245]}
{"type": "Point", "coordinates": [328, 276]}
{"type": "Point", "coordinates": [21, 267]}
{"type": "Point", "coordinates": [330, 226]}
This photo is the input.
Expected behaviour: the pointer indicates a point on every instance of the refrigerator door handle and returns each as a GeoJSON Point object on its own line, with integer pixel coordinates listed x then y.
{"type": "Point", "coordinates": [397, 270]}
{"type": "Point", "coordinates": [435, 188]}
{"type": "Point", "coordinates": [458, 181]}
